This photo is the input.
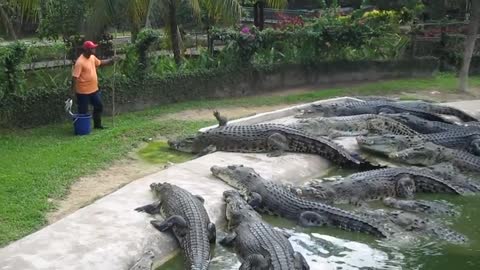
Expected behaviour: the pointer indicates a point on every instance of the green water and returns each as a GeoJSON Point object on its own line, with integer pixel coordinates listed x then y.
{"type": "Point", "coordinates": [330, 248]}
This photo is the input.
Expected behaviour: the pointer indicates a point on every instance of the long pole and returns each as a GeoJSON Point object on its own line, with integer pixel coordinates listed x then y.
{"type": "Point", "coordinates": [113, 86]}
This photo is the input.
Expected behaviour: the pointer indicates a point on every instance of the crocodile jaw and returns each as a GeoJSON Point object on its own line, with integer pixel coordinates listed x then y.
{"type": "Point", "coordinates": [226, 175]}
{"type": "Point", "coordinates": [182, 144]}
{"type": "Point", "coordinates": [379, 144]}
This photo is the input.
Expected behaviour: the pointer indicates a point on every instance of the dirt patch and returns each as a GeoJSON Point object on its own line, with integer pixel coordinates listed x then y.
{"type": "Point", "coordinates": [89, 188]}
{"type": "Point", "coordinates": [437, 96]}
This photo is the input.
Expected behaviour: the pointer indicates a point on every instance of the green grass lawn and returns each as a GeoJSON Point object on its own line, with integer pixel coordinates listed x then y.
{"type": "Point", "coordinates": [40, 164]}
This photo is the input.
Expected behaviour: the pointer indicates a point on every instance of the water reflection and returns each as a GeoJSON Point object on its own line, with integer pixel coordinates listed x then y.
{"type": "Point", "coordinates": [328, 252]}
{"type": "Point", "coordinates": [322, 252]}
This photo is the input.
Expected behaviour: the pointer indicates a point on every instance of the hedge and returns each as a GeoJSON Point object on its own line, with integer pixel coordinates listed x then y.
{"type": "Point", "coordinates": [43, 106]}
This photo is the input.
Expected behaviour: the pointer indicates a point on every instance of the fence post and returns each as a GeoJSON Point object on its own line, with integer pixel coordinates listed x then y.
{"type": "Point", "coordinates": [413, 34]}
{"type": "Point", "coordinates": [442, 46]}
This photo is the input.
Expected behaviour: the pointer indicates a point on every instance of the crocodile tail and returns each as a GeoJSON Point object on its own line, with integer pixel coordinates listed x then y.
{"type": "Point", "coordinates": [449, 235]}
{"type": "Point", "coordinates": [454, 112]}
{"type": "Point", "coordinates": [423, 114]}
{"type": "Point", "coordinates": [355, 223]}
{"type": "Point", "coordinates": [432, 184]}
{"type": "Point", "coordinates": [430, 116]}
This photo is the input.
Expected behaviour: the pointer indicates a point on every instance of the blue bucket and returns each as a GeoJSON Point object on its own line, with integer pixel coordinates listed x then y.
{"type": "Point", "coordinates": [81, 124]}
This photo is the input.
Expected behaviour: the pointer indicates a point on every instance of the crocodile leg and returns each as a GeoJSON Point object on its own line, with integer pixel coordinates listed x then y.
{"type": "Point", "coordinates": [152, 209]}
{"type": "Point", "coordinates": [386, 110]}
{"type": "Point", "coordinates": [338, 133]}
{"type": "Point", "coordinates": [212, 232]}
{"type": "Point", "coordinates": [167, 224]}
{"type": "Point", "coordinates": [311, 219]}
{"type": "Point", "coordinates": [207, 150]}
{"type": "Point", "coordinates": [200, 198]}
{"type": "Point", "coordinates": [405, 186]}
{"type": "Point", "coordinates": [255, 200]}
{"type": "Point", "coordinates": [285, 233]}
{"type": "Point", "coordinates": [255, 262]}
{"type": "Point", "coordinates": [278, 143]}
{"type": "Point", "coordinates": [228, 239]}
{"type": "Point", "coordinates": [300, 262]}
{"type": "Point", "coordinates": [474, 146]}
{"type": "Point", "coordinates": [355, 200]}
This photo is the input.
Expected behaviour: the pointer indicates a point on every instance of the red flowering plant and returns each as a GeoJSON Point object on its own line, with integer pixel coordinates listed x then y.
{"type": "Point", "coordinates": [248, 42]}
{"type": "Point", "coordinates": [285, 21]}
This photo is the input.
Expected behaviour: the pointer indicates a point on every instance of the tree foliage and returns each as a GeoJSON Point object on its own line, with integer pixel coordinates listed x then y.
{"type": "Point", "coordinates": [62, 18]}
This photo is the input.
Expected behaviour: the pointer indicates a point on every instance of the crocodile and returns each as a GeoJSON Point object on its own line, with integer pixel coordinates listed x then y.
{"type": "Point", "coordinates": [187, 218]}
{"type": "Point", "coordinates": [258, 244]}
{"type": "Point", "coordinates": [275, 139]}
{"type": "Point", "coordinates": [438, 109]}
{"type": "Point", "coordinates": [366, 107]}
{"type": "Point", "coordinates": [354, 125]}
{"type": "Point", "coordinates": [399, 223]}
{"type": "Point", "coordinates": [430, 154]}
{"type": "Point", "coordinates": [376, 184]}
{"type": "Point", "coordinates": [422, 125]}
{"type": "Point", "coordinates": [467, 140]}
{"type": "Point", "coordinates": [272, 198]}
{"type": "Point", "coordinates": [421, 206]}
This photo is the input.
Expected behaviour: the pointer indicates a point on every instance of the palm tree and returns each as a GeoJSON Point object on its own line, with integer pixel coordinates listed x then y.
{"type": "Point", "coordinates": [259, 8]}
{"type": "Point", "coordinates": [25, 8]}
{"type": "Point", "coordinates": [216, 10]}
{"type": "Point", "coordinates": [138, 12]}
{"type": "Point", "coordinates": [469, 46]}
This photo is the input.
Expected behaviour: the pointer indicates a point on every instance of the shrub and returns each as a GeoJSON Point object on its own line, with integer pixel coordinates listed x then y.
{"type": "Point", "coordinates": [12, 76]}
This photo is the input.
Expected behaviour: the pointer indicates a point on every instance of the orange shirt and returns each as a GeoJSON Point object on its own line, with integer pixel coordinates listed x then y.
{"type": "Point", "coordinates": [85, 71]}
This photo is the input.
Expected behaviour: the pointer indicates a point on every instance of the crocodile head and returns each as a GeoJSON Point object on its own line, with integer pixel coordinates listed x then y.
{"type": "Point", "coordinates": [405, 187]}
{"type": "Point", "coordinates": [408, 221]}
{"type": "Point", "coordinates": [185, 144]}
{"type": "Point", "coordinates": [237, 176]}
{"type": "Point", "coordinates": [319, 110]}
{"type": "Point", "coordinates": [237, 209]}
{"type": "Point", "coordinates": [162, 189]}
{"type": "Point", "coordinates": [385, 144]}
{"type": "Point", "coordinates": [427, 154]}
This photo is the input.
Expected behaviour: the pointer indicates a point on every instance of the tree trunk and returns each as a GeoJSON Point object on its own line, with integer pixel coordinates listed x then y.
{"type": "Point", "coordinates": [261, 10]}
{"type": "Point", "coordinates": [135, 29]}
{"type": "Point", "coordinates": [469, 44]}
{"type": "Point", "coordinates": [8, 23]}
{"type": "Point", "coordinates": [174, 32]}
{"type": "Point", "coordinates": [148, 23]}
{"type": "Point", "coordinates": [256, 15]}
{"type": "Point", "coordinates": [258, 18]}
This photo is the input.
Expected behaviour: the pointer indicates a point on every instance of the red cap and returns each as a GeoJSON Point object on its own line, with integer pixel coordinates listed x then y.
{"type": "Point", "coordinates": [89, 45]}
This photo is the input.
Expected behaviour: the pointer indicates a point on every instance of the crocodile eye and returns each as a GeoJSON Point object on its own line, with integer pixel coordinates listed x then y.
{"type": "Point", "coordinates": [231, 167]}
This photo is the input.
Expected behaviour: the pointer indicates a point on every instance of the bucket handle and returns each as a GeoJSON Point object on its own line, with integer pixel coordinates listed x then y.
{"type": "Point", "coordinates": [75, 119]}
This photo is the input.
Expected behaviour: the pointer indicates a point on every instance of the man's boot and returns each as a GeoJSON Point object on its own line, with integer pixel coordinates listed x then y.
{"type": "Point", "coordinates": [97, 120]}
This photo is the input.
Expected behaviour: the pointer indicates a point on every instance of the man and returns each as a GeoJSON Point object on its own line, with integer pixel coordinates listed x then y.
{"type": "Point", "coordinates": [85, 82]}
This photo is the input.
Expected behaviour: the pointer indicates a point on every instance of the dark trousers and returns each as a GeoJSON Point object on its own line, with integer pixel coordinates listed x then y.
{"type": "Point", "coordinates": [95, 99]}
